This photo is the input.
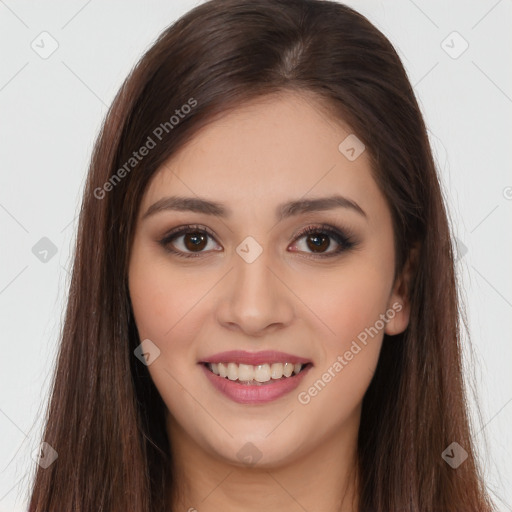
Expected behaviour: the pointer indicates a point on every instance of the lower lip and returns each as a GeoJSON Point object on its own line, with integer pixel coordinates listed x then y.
{"type": "Point", "coordinates": [247, 394]}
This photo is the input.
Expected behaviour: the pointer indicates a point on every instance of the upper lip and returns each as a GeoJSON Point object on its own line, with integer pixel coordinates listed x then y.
{"type": "Point", "coordinates": [254, 358]}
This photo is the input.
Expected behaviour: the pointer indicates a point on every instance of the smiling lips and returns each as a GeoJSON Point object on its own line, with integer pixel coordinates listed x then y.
{"type": "Point", "coordinates": [260, 377]}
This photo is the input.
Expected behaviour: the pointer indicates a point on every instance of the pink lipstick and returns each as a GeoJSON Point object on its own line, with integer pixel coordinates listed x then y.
{"type": "Point", "coordinates": [255, 377]}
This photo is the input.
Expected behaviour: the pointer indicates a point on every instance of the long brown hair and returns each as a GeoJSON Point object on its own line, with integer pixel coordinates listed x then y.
{"type": "Point", "coordinates": [105, 418]}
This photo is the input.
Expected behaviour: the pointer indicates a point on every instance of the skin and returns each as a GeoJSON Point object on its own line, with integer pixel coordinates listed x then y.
{"type": "Point", "coordinates": [270, 151]}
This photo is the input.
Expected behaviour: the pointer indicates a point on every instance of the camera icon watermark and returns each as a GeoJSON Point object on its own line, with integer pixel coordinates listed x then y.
{"type": "Point", "coordinates": [351, 147]}
{"type": "Point", "coordinates": [460, 250]}
{"type": "Point", "coordinates": [454, 45]}
{"type": "Point", "coordinates": [249, 454]}
{"type": "Point", "coordinates": [147, 352]}
{"type": "Point", "coordinates": [45, 455]}
{"type": "Point", "coordinates": [44, 250]}
{"type": "Point", "coordinates": [454, 455]}
{"type": "Point", "coordinates": [249, 249]}
{"type": "Point", "coordinates": [44, 45]}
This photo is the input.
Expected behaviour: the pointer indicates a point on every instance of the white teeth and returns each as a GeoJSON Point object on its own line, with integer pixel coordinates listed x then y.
{"type": "Point", "coordinates": [287, 369]}
{"type": "Point", "coordinates": [259, 373]}
{"type": "Point", "coordinates": [232, 371]}
{"type": "Point", "coordinates": [245, 372]}
{"type": "Point", "coordinates": [223, 370]}
{"type": "Point", "coordinates": [276, 370]}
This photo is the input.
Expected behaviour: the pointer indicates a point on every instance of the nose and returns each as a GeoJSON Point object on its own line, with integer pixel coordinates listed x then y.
{"type": "Point", "coordinates": [254, 299]}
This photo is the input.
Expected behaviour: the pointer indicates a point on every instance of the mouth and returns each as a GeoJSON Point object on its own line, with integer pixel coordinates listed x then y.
{"type": "Point", "coordinates": [256, 375]}
{"type": "Point", "coordinates": [252, 378]}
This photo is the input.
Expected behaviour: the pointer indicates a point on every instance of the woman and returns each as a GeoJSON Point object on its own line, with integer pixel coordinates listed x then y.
{"type": "Point", "coordinates": [263, 309]}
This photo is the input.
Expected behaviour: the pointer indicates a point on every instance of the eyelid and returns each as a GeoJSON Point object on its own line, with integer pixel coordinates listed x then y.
{"type": "Point", "coordinates": [187, 228]}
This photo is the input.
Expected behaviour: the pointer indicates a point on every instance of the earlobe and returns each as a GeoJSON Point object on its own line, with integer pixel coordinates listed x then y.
{"type": "Point", "coordinates": [399, 307]}
{"type": "Point", "coordinates": [398, 316]}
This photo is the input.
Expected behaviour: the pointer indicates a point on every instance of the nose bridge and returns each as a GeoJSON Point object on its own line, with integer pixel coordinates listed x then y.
{"type": "Point", "coordinates": [254, 297]}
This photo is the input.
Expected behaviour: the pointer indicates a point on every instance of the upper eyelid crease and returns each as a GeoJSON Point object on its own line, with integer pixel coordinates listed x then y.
{"type": "Point", "coordinates": [283, 211]}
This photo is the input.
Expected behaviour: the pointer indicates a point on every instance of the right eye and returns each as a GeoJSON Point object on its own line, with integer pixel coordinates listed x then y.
{"type": "Point", "coordinates": [195, 239]}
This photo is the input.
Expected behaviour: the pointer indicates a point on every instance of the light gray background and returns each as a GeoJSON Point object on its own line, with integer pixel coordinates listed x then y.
{"type": "Point", "coordinates": [51, 111]}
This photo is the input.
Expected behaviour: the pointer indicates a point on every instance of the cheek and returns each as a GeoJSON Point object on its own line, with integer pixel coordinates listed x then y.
{"type": "Point", "coordinates": [161, 297]}
{"type": "Point", "coordinates": [166, 305]}
{"type": "Point", "coordinates": [350, 304]}
{"type": "Point", "coordinates": [347, 301]}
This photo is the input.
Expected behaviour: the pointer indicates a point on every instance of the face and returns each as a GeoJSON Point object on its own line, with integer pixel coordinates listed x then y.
{"type": "Point", "coordinates": [242, 275]}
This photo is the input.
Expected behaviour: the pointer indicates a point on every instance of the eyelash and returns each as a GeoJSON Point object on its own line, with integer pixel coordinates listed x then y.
{"type": "Point", "coordinates": [342, 238]}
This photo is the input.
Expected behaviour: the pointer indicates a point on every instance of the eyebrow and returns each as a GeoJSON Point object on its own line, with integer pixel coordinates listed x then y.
{"type": "Point", "coordinates": [283, 211]}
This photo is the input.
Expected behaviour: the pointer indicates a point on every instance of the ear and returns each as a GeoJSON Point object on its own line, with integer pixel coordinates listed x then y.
{"type": "Point", "coordinates": [399, 299]}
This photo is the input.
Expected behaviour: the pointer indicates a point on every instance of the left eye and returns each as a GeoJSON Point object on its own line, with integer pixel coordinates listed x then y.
{"type": "Point", "coordinates": [318, 240]}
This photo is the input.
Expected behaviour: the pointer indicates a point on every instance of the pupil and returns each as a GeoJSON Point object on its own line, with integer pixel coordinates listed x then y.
{"type": "Point", "coordinates": [317, 243]}
{"type": "Point", "coordinates": [197, 241]}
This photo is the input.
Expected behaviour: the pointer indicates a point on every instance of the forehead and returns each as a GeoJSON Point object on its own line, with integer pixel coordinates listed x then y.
{"type": "Point", "coordinates": [274, 148]}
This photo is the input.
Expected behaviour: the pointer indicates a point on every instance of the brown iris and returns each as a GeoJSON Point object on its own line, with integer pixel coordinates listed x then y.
{"type": "Point", "coordinates": [319, 242]}
{"type": "Point", "coordinates": [195, 241]}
